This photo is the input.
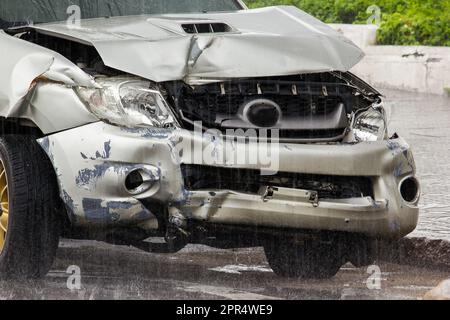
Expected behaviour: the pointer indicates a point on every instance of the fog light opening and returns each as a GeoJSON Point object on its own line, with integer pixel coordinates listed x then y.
{"type": "Point", "coordinates": [134, 182]}
{"type": "Point", "coordinates": [409, 190]}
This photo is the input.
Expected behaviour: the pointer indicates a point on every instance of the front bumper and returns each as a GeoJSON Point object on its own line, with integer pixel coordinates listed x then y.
{"type": "Point", "coordinates": [92, 163]}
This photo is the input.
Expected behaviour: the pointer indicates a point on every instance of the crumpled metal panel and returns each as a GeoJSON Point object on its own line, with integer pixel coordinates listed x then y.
{"type": "Point", "coordinates": [22, 63]}
{"type": "Point", "coordinates": [49, 106]}
{"type": "Point", "coordinates": [264, 42]}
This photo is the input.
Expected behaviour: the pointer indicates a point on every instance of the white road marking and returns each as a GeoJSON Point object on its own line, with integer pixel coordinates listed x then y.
{"type": "Point", "coordinates": [238, 269]}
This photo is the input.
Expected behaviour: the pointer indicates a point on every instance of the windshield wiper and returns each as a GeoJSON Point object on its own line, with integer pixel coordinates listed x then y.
{"type": "Point", "coordinates": [13, 24]}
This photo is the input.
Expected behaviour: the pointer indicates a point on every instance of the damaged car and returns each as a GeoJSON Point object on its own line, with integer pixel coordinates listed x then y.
{"type": "Point", "coordinates": [158, 124]}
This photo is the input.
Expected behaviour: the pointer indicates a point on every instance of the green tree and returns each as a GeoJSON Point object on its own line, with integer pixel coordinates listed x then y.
{"type": "Point", "coordinates": [404, 22]}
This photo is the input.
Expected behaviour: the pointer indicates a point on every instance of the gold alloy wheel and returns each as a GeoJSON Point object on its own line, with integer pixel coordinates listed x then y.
{"type": "Point", "coordinates": [4, 198]}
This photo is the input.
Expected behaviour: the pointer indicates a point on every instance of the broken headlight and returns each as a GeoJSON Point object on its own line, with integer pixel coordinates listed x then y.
{"type": "Point", "coordinates": [370, 124]}
{"type": "Point", "coordinates": [127, 102]}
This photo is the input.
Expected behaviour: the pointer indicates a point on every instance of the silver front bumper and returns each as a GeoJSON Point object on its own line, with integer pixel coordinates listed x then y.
{"type": "Point", "coordinates": [93, 161]}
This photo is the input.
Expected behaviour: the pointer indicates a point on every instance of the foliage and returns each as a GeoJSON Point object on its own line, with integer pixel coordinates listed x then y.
{"type": "Point", "coordinates": [403, 22]}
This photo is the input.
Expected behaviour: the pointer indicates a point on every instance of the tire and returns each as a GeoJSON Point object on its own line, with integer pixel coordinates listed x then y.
{"type": "Point", "coordinates": [362, 252]}
{"type": "Point", "coordinates": [28, 247]}
{"type": "Point", "coordinates": [309, 260]}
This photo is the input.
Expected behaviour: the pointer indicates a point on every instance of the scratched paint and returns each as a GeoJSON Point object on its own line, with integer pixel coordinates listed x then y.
{"type": "Point", "coordinates": [89, 176]}
{"type": "Point", "coordinates": [105, 154]}
{"type": "Point", "coordinates": [68, 201]}
{"type": "Point", "coordinates": [148, 133]}
{"type": "Point", "coordinates": [94, 210]}
{"type": "Point", "coordinates": [396, 147]}
{"type": "Point", "coordinates": [99, 210]}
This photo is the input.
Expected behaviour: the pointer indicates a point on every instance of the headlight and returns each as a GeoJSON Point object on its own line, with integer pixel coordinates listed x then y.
{"type": "Point", "coordinates": [127, 102]}
{"type": "Point", "coordinates": [370, 124]}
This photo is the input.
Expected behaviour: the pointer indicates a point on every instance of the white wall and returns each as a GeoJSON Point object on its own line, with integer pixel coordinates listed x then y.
{"type": "Point", "coordinates": [412, 68]}
{"type": "Point", "coordinates": [419, 69]}
{"type": "Point", "coordinates": [362, 35]}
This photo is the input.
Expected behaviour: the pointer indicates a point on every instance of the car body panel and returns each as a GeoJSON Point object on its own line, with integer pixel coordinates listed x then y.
{"type": "Point", "coordinates": [157, 48]}
{"type": "Point", "coordinates": [22, 64]}
{"type": "Point", "coordinates": [93, 162]}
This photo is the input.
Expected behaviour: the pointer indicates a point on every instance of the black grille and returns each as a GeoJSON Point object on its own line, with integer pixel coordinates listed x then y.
{"type": "Point", "coordinates": [250, 181]}
{"type": "Point", "coordinates": [205, 107]}
{"type": "Point", "coordinates": [298, 98]}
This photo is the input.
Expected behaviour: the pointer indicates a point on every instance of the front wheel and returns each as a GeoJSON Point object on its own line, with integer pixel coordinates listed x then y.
{"type": "Point", "coordinates": [307, 260]}
{"type": "Point", "coordinates": [29, 223]}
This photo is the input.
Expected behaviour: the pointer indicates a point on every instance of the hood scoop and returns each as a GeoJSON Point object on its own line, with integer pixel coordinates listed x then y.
{"type": "Point", "coordinates": [208, 27]}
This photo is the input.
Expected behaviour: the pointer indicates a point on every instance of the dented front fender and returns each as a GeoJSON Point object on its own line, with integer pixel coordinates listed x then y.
{"type": "Point", "coordinates": [36, 84]}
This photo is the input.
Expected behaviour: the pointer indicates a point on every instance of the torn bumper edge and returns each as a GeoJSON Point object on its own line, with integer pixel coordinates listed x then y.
{"type": "Point", "coordinates": [93, 161]}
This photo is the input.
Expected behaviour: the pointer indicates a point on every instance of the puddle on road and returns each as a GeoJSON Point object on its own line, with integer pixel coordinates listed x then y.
{"type": "Point", "coordinates": [424, 121]}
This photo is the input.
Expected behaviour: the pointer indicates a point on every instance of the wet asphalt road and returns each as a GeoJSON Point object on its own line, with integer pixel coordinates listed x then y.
{"type": "Point", "coordinates": [113, 272]}
{"type": "Point", "coordinates": [424, 121]}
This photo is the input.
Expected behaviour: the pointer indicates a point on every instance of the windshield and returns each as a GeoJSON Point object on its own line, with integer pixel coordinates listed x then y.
{"type": "Point", "coordinates": [16, 13]}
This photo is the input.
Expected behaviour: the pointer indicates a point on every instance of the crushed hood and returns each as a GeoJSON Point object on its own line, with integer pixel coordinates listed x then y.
{"type": "Point", "coordinates": [272, 41]}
